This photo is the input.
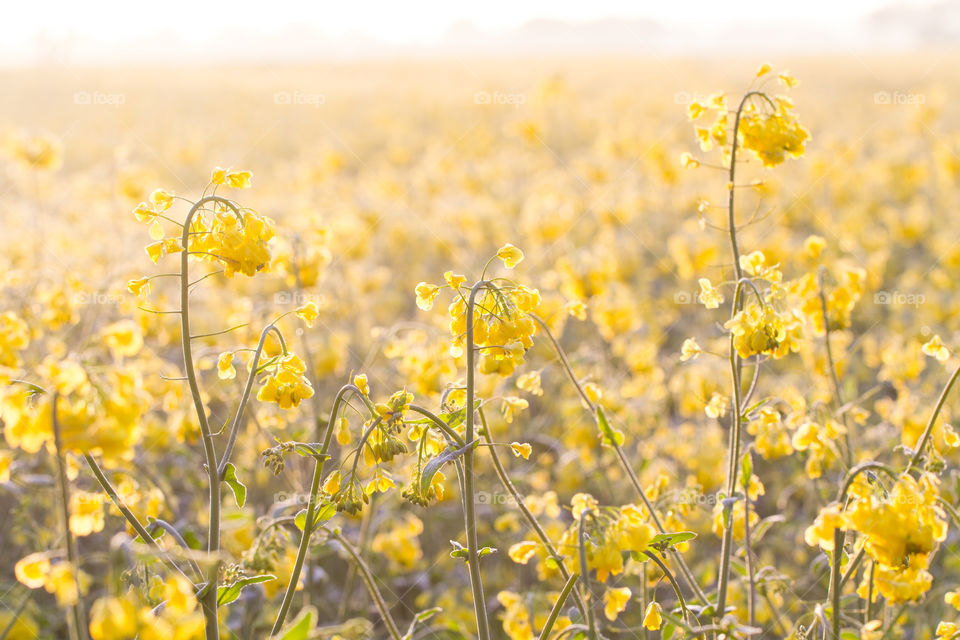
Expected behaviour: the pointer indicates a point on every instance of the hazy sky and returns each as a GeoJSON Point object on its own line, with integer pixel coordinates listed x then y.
{"type": "Point", "coordinates": [407, 21]}
{"type": "Point", "coordinates": [113, 28]}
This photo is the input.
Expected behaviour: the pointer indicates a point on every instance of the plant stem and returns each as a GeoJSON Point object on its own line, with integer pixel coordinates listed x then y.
{"type": "Point", "coordinates": [369, 580]}
{"type": "Point", "coordinates": [235, 426]}
{"type": "Point", "coordinates": [77, 627]}
{"type": "Point", "coordinates": [469, 506]}
{"type": "Point", "coordinates": [315, 486]}
{"type": "Point", "coordinates": [933, 418]}
{"type": "Point", "coordinates": [585, 572]}
{"type": "Point", "coordinates": [531, 519]}
{"type": "Point", "coordinates": [837, 394]}
{"type": "Point", "coordinates": [622, 458]}
{"type": "Point", "coordinates": [835, 588]}
{"type": "Point", "coordinates": [558, 607]}
{"type": "Point", "coordinates": [751, 577]}
{"type": "Point", "coordinates": [208, 599]}
{"type": "Point", "coordinates": [131, 519]}
{"type": "Point", "coordinates": [308, 527]}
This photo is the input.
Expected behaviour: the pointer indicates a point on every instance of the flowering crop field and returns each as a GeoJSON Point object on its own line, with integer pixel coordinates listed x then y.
{"type": "Point", "coordinates": [573, 348]}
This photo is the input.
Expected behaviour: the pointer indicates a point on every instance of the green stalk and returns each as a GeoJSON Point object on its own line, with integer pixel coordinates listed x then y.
{"type": "Point", "coordinates": [585, 572]}
{"type": "Point", "coordinates": [835, 588]}
{"type": "Point", "coordinates": [531, 519]}
{"type": "Point", "coordinates": [622, 458]}
{"type": "Point", "coordinates": [558, 607]}
{"type": "Point", "coordinates": [321, 459]}
{"type": "Point", "coordinates": [469, 502]}
{"type": "Point", "coordinates": [77, 627]}
{"type": "Point", "coordinates": [371, 584]}
{"type": "Point", "coordinates": [928, 431]}
{"type": "Point", "coordinates": [208, 598]}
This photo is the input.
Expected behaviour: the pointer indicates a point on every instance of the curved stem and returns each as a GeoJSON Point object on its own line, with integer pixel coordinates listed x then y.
{"type": "Point", "coordinates": [208, 600]}
{"type": "Point", "coordinates": [369, 580]}
{"type": "Point", "coordinates": [305, 537]}
{"type": "Point", "coordinates": [302, 549]}
{"type": "Point", "coordinates": [837, 394]}
{"type": "Point", "coordinates": [585, 572]}
{"type": "Point", "coordinates": [172, 530]}
{"type": "Point", "coordinates": [558, 607]}
{"type": "Point", "coordinates": [531, 519]}
{"type": "Point", "coordinates": [834, 589]}
{"type": "Point", "coordinates": [77, 626]}
{"type": "Point", "coordinates": [131, 519]}
{"type": "Point", "coordinates": [470, 517]}
{"type": "Point", "coordinates": [235, 426]}
{"type": "Point", "coordinates": [622, 458]}
{"type": "Point", "coordinates": [673, 583]}
{"type": "Point", "coordinates": [933, 418]}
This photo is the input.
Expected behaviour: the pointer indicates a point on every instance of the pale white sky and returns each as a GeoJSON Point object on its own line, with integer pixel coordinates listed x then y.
{"type": "Point", "coordinates": [101, 23]}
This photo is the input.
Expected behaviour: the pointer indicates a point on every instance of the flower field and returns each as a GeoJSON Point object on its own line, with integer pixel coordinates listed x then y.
{"type": "Point", "coordinates": [574, 348]}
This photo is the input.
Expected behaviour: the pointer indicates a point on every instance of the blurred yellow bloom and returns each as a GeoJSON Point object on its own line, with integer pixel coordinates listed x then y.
{"type": "Point", "coordinates": [510, 255]}
{"type": "Point", "coordinates": [652, 620]}
{"type": "Point", "coordinates": [936, 349]}
{"type": "Point", "coordinates": [615, 601]}
{"type": "Point", "coordinates": [521, 449]}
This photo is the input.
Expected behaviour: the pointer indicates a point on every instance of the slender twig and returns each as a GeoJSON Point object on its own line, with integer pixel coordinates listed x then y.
{"type": "Point", "coordinates": [558, 606]}
{"type": "Point", "coordinates": [622, 458]}
{"type": "Point", "coordinates": [585, 572]}
{"type": "Point", "coordinates": [208, 599]}
{"type": "Point", "coordinates": [922, 443]}
{"type": "Point", "coordinates": [531, 519]}
{"type": "Point", "coordinates": [370, 582]}
{"type": "Point", "coordinates": [235, 426]}
{"type": "Point", "coordinates": [469, 506]}
{"type": "Point", "coordinates": [77, 626]}
{"type": "Point", "coordinates": [305, 536]}
{"type": "Point", "coordinates": [131, 519]}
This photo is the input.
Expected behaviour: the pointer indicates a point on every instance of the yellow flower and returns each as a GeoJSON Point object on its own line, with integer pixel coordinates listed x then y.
{"type": "Point", "coordinates": [687, 161]}
{"type": "Point", "coordinates": [952, 598]}
{"type": "Point", "coordinates": [690, 350]}
{"type": "Point", "coordinates": [764, 70]}
{"type": "Point", "coordinates": [113, 619]}
{"type": "Point", "coordinates": [308, 313]}
{"type": "Point", "coordinates": [426, 294]}
{"type": "Point", "coordinates": [717, 406]}
{"type": "Point", "coordinates": [521, 552]}
{"type": "Point", "coordinates": [218, 175]}
{"type": "Point", "coordinates": [124, 338]}
{"type": "Point", "coordinates": [360, 382]}
{"type": "Point", "coordinates": [161, 199]}
{"type": "Point", "coordinates": [583, 502]}
{"type": "Point", "coordinates": [821, 531]}
{"type": "Point", "coordinates": [86, 513]}
{"type": "Point", "coordinates": [239, 179]}
{"type": "Point", "coordinates": [936, 349]}
{"type": "Point", "coordinates": [787, 80]}
{"type": "Point", "coordinates": [710, 297]}
{"type": "Point", "coordinates": [511, 255]}
{"type": "Point", "coordinates": [530, 382]}
{"type": "Point", "coordinates": [521, 450]}
{"type": "Point", "coordinates": [615, 601]}
{"type": "Point", "coordinates": [332, 484]}
{"type": "Point", "coordinates": [577, 309]}
{"type": "Point", "coordinates": [178, 594]}
{"type": "Point", "coordinates": [813, 246]}
{"type": "Point", "coordinates": [455, 281]}
{"type": "Point", "coordinates": [225, 370]}
{"type": "Point", "coordinates": [286, 385]}
{"type": "Point", "coordinates": [652, 620]}
{"type": "Point", "coordinates": [139, 286]}
{"type": "Point", "coordinates": [32, 570]}
{"type": "Point", "coordinates": [511, 405]}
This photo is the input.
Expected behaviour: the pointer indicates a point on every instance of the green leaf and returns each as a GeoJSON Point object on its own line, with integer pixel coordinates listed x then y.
{"type": "Point", "coordinates": [433, 465]}
{"type": "Point", "coordinates": [239, 490]}
{"type": "Point", "coordinates": [228, 593]}
{"type": "Point", "coordinates": [300, 627]}
{"type": "Point", "coordinates": [610, 435]}
{"type": "Point", "coordinates": [321, 514]}
{"type": "Point", "coordinates": [459, 551]}
{"type": "Point", "coordinates": [420, 617]}
{"type": "Point", "coordinates": [664, 541]}
{"type": "Point", "coordinates": [486, 551]}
